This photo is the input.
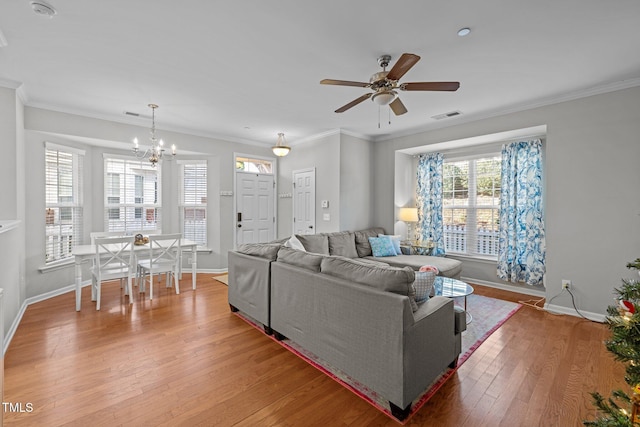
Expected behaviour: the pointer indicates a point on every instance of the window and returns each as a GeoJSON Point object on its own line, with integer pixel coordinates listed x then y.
{"type": "Point", "coordinates": [193, 200]}
{"type": "Point", "coordinates": [471, 203]}
{"type": "Point", "coordinates": [131, 189]}
{"type": "Point", "coordinates": [63, 201]}
{"type": "Point", "coordinates": [244, 164]}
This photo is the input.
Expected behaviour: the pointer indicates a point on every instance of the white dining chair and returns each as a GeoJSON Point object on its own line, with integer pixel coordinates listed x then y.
{"type": "Point", "coordinates": [113, 260]}
{"type": "Point", "coordinates": [163, 257]}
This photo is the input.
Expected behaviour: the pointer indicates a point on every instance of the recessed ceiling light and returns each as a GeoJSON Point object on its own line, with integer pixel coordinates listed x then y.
{"type": "Point", "coordinates": [463, 31]}
{"type": "Point", "coordinates": [43, 9]}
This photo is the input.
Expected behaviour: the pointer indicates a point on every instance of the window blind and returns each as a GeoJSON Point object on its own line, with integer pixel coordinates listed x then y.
{"type": "Point", "coordinates": [471, 202]}
{"type": "Point", "coordinates": [131, 196]}
{"type": "Point", "coordinates": [193, 201]}
{"type": "Point", "coordinates": [63, 202]}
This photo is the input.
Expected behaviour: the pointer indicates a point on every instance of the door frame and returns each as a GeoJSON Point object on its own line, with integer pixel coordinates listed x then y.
{"type": "Point", "coordinates": [293, 201]}
{"type": "Point", "coordinates": [234, 219]}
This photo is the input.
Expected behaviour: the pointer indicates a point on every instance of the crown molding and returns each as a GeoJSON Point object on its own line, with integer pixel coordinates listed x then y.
{"type": "Point", "coordinates": [9, 84]}
{"type": "Point", "coordinates": [143, 122]}
{"type": "Point", "coordinates": [552, 100]}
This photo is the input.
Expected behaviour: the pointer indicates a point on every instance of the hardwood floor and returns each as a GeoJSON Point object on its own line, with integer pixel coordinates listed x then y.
{"type": "Point", "coordinates": [186, 360]}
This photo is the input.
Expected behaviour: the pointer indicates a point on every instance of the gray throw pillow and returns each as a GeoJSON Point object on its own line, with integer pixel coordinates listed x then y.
{"type": "Point", "coordinates": [343, 244]}
{"type": "Point", "coordinates": [316, 243]}
{"type": "Point", "coordinates": [362, 240]}
{"type": "Point", "coordinates": [309, 261]}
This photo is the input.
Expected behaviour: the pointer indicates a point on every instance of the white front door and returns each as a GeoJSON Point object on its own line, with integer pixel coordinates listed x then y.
{"type": "Point", "coordinates": [304, 201]}
{"type": "Point", "coordinates": [255, 220]}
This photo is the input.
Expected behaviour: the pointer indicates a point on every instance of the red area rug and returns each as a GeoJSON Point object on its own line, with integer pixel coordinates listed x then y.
{"type": "Point", "coordinates": [488, 315]}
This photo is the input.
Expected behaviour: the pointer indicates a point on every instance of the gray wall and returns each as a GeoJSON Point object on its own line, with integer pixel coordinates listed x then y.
{"type": "Point", "coordinates": [343, 177]}
{"type": "Point", "coordinates": [61, 128]}
{"type": "Point", "coordinates": [323, 154]}
{"type": "Point", "coordinates": [12, 206]}
{"type": "Point", "coordinates": [592, 199]}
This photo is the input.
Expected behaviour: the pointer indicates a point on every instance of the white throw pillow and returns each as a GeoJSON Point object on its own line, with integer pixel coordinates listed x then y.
{"type": "Point", "coordinates": [294, 243]}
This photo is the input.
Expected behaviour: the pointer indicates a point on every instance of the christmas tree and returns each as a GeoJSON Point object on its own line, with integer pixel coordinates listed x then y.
{"type": "Point", "coordinates": [623, 320]}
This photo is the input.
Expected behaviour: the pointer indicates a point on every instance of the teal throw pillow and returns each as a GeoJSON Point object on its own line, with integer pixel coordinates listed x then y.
{"type": "Point", "coordinates": [395, 239]}
{"type": "Point", "coordinates": [382, 246]}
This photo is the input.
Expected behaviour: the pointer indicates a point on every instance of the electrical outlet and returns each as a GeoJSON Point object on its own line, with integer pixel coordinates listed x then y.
{"type": "Point", "coordinates": [566, 284]}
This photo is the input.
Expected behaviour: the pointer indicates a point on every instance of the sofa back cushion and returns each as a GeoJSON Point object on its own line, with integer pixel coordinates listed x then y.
{"type": "Point", "coordinates": [307, 260]}
{"type": "Point", "coordinates": [362, 240]}
{"type": "Point", "coordinates": [263, 250]}
{"type": "Point", "coordinates": [316, 243]}
{"type": "Point", "coordinates": [343, 244]}
{"type": "Point", "coordinates": [385, 278]}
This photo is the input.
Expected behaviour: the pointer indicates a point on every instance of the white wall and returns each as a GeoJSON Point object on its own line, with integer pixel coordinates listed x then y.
{"type": "Point", "coordinates": [592, 189]}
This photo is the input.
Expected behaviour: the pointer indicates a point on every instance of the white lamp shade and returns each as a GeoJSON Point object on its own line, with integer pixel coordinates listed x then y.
{"type": "Point", "coordinates": [408, 214]}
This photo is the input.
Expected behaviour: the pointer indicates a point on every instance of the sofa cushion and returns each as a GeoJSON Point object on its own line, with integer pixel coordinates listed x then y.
{"type": "Point", "coordinates": [309, 261]}
{"type": "Point", "coordinates": [390, 279]}
{"type": "Point", "coordinates": [263, 250]}
{"type": "Point", "coordinates": [362, 240]}
{"type": "Point", "coordinates": [343, 244]}
{"type": "Point", "coordinates": [448, 267]}
{"type": "Point", "coordinates": [316, 243]}
{"type": "Point", "coordinates": [382, 246]}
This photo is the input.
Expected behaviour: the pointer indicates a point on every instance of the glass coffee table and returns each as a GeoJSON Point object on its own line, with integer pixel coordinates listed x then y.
{"type": "Point", "coordinates": [453, 288]}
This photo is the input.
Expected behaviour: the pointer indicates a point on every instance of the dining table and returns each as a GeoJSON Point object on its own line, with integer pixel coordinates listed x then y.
{"type": "Point", "coordinates": [84, 253]}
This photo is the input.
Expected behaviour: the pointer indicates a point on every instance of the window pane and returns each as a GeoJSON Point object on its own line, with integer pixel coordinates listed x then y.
{"type": "Point", "coordinates": [193, 199]}
{"type": "Point", "coordinates": [63, 204]}
{"type": "Point", "coordinates": [131, 196]}
{"type": "Point", "coordinates": [471, 201]}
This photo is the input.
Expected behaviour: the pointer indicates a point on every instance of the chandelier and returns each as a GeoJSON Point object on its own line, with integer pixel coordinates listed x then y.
{"type": "Point", "coordinates": [156, 151]}
{"type": "Point", "coordinates": [281, 148]}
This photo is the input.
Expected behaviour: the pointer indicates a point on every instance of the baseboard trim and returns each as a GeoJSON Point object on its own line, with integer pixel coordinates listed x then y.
{"type": "Point", "coordinates": [527, 290]}
{"type": "Point", "coordinates": [558, 309]}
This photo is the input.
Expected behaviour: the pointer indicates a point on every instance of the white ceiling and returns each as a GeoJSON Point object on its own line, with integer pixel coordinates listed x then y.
{"type": "Point", "coordinates": [246, 70]}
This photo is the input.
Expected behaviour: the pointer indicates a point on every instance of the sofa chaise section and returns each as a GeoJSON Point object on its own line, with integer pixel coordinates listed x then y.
{"type": "Point", "coordinates": [370, 334]}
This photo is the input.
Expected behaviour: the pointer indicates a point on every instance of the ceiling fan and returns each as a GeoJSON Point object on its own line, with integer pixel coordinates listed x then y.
{"type": "Point", "coordinates": [385, 84]}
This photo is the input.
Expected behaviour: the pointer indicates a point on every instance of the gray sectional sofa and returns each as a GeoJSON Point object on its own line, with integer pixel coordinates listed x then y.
{"type": "Point", "coordinates": [355, 313]}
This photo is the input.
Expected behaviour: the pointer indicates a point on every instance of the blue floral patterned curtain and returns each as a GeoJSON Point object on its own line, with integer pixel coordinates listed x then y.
{"type": "Point", "coordinates": [429, 200]}
{"type": "Point", "coordinates": [521, 246]}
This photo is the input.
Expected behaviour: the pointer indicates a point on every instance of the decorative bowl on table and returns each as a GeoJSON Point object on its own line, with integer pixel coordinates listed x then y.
{"type": "Point", "coordinates": [140, 240]}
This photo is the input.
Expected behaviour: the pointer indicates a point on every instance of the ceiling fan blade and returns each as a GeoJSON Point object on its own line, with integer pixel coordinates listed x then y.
{"type": "Point", "coordinates": [404, 64]}
{"type": "Point", "coordinates": [343, 83]}
{"type": "Point", "coordinates": [446, 86]}
{"type": "Point", "coordinates": [398, 107]}
{"type": "Point", "coordinates": [354, 103]}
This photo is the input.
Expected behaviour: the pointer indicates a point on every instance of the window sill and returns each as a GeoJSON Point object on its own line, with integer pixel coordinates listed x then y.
{"type": "Point", "coordinates": [56, 265]}
{"type": "Point", "coordinates": [478, 258]}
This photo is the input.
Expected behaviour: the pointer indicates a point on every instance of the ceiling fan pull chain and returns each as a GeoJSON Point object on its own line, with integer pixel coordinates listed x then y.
{"type": "Point", "coordinates": [378, 117]}
{"type": "Point", "coordinates": [389, 112]}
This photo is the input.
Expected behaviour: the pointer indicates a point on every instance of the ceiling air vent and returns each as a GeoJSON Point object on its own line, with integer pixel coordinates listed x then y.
{"type": "Point", "coordinates": [446, 115]}
{"type": "Point", "coordinates": [129, 113]}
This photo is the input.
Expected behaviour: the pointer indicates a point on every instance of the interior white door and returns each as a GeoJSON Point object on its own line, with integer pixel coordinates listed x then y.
{"type": "Point", "coordinates": [304, 201]}
{"type": "Point", "coordinates": [255, 220]}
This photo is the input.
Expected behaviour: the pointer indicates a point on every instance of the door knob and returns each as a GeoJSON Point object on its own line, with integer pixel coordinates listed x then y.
{"type": "Point", "coordinates": [239, 225]}
{"type": "Point", "coordinates": [311, 226]}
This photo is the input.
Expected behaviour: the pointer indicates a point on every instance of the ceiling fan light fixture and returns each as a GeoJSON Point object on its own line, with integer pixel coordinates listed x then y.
{"type": "Point", "coordinates": [281, 148]}
{"type": "Point", "coordinates": [384, 97]}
